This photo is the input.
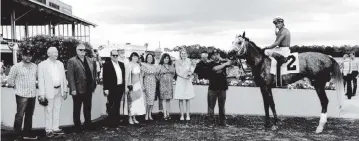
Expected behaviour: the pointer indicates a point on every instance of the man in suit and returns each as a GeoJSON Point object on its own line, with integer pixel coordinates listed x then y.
{"type": "Point", "coordinates": [114, 86]}
{"type": "Point", "coordinates": [81, 77]}
{"type": "Point", "coordinates": [52, 86]}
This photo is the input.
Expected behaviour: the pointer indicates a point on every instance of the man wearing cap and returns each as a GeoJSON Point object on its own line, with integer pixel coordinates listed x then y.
{"type": "Point", "coordinates": [23, 77]}
{"type": "Point", "coordinates": [282, 42]}
{"type": "Point", "coordinates": [218, 86]}
{"type": "Point", "coordinates": [81, 74]}
{"type": "Point", "coordinates": [53, 87]}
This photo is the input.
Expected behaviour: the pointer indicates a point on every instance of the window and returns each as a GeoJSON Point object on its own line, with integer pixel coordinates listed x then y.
{"type": "Point", "coordinates": [54, 5]}
{"type": "Point", "coordinates": [42, 1]}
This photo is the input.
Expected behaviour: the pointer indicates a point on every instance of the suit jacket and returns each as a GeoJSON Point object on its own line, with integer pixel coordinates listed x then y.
{"type": "Point", "coordinates": [76, 75]}
{"type": "Point", "coordinates": [109, 75]}
{"type": "Point", "coordinates": [45, 82]}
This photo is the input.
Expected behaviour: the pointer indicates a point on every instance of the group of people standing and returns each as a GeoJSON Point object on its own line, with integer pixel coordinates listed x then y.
{"type": "Point", "coordinates": [350, 69]}
{"type": "Point", "coordinates": [138, 84]}
{"type": "Point", "coordinates": [142, 82]}
{"type": "Point", "coordinates": [54, 84]}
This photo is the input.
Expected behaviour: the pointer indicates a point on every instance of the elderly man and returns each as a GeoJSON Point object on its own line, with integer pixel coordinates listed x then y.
{"type": "Point", "coordinates": [81, 72]}
{"type": "Point", "coordinates": [23, 77]}
{"type": "Point", "coordinates": [53, 87]}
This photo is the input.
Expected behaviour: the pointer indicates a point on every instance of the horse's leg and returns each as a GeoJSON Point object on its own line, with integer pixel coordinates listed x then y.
{"type": "Point", "coordinates": [272, 106]}
{"type": "Point", "coordinates": [324, 102]}
{"type": "Point", "coordinates": [266, 106]}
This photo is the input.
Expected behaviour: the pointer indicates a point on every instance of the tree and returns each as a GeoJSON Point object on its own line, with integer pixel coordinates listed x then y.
{"type": "Point", "coordinates": [39, 45]}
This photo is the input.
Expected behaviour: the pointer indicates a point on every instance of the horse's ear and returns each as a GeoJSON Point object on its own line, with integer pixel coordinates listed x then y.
{"type": "Point", "coordinates": [244, 34]}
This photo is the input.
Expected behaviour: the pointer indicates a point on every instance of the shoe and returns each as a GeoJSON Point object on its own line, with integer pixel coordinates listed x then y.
{"type": "Point", "coordinates": [30, 137]}
{"type": "Point", "coordinates": [135, 121]}
{"type": "Point", "coordinates": [223, 123]}
{"type": "Point", "coordinates": [188, 118]}
{"type": "Point", "coordinates": [59, 132]}
{"type": "Point", "coordinates": [130, 121]}
{"type": "Point", "coordinates": [182, 118]}
{"type": "Point", "coordinates": [49, 134]}
{"type": "Point", "coordinates": [89, 126]}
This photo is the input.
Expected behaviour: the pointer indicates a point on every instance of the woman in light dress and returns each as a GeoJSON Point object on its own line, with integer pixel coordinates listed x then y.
{"type": "Point", "coordinates": [136, 101]}
{"type": "Point", "coordinates": [149, 71]}
{"type": "Point", "coordinates": [166, 72]}
{"type": "Point", "coordinates": [184, 90]}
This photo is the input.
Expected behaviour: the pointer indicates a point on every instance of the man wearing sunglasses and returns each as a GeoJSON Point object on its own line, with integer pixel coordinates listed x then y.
{"type": "Point", "coordinates": [81, 72]}
{"type": "Point", "coordinates": [113, 87]}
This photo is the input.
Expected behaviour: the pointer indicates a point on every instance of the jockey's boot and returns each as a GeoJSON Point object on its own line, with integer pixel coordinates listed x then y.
{"type": "Point", "coordinates": [280, 61]}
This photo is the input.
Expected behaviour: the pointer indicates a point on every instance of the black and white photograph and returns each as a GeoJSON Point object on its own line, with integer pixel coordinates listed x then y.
{"type": "Point", "coordinates": [168, 70]}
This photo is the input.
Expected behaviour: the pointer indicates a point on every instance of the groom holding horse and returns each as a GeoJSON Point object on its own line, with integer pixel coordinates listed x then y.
{"type": "Point", "coordinates": [283, 43]}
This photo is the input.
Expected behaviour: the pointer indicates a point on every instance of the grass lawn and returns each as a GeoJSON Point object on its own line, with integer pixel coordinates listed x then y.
{"type": "Point", "coordinates": [199, 128]}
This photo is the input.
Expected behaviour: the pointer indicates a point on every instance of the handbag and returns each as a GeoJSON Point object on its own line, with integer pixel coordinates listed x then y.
{"type": "Point", "coordinates": [43, 102]}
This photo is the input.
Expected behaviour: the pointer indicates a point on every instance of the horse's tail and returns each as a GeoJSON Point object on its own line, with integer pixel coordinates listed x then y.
{"type": "Point", "coordinates": [338, 80]}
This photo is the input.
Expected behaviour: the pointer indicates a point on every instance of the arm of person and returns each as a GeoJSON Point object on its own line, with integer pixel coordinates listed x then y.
{"type": "Point", "coordinates": [220, 67]}
{"type": "Point", "coordinates": [41, 80]}
{"type": "Point", "coordinates": [105, 76]}
{"type": "Point", "coordinates": [280, 39]}
{"type": "Point", "coordinates": [64, 81]}
{"type": "Point", "coordinates": [12, 75]}
{"type": "Point", "coordinates": [71, 76]}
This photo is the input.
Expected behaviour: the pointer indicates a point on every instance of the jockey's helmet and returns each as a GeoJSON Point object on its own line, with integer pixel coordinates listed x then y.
{"type": "Point", "coordinates": [277, 19]}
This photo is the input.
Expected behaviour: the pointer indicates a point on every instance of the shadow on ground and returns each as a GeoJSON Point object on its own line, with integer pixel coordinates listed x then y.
{"type": "Point", "coordinates": [200, 128]}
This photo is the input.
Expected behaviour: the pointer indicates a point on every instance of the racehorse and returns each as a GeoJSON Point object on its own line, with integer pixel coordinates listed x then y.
{"type": "Point", "coordinates": [317, 67]}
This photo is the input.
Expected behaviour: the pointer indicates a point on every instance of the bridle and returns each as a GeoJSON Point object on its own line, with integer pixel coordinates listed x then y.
{"type": "Point", "coordinates": [242, 49]}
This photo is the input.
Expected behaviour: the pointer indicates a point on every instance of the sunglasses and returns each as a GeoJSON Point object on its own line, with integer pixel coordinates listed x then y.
{"type": "Point", "coordinates": [114, 55]}
{"type": "Point", "coordinates": [81, 49]}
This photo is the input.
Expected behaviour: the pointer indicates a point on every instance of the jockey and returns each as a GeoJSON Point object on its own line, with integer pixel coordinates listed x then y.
{"type": "Point", "coordinates": [282, 41]}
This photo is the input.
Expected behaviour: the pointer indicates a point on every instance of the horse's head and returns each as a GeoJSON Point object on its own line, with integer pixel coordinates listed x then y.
{"type": "Point", "coordinates": [239, 46]}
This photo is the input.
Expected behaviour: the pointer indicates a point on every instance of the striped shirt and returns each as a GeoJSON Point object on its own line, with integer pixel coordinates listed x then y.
{"type": "Point", "coordinates": [23, 77]}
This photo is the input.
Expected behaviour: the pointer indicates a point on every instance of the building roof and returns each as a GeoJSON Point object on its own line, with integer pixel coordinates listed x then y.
{"type": "Point", "coordinates": [32, 12]}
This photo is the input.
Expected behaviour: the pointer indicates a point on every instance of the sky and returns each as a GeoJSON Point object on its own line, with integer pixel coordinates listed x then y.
{"type": "Point", "coordinates": [216, 23]}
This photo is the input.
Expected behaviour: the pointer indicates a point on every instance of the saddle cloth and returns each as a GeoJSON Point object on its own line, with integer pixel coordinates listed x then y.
{"type": "Point", "coordinates": [285, 51]}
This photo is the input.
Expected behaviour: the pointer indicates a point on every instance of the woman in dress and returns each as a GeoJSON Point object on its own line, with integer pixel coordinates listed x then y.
{"type": "Point", "coordinates": [148, 70]}
{"type": "Point", "coordinates": [166, 72]}
{"type": "Point", "coordinates": [184, 88]}
{"type": "Point", "coordinates": [135, 96]}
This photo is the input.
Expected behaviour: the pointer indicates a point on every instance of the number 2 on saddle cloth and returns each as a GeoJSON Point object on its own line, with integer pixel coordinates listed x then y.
{"type": "Point", "coordinates": [282, 56]}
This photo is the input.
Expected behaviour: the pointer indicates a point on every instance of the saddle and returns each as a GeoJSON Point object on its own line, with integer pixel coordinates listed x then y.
{"type": "Point", "coordinates": [279, 56]}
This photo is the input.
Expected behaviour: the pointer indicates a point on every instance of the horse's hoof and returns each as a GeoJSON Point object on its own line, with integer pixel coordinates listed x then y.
{"type": "Point", "coordinates": [274, 128]}
{"type": "Point", "coordinates": [319, 130]}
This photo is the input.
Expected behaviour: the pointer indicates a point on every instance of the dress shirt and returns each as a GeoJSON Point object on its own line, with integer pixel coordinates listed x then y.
{"type": "Point", "coordinates": [23, 77]}
{"type": "Point", "coordinates": [118, 72]}
{"type": "Point", "coordinates": [55, 73]}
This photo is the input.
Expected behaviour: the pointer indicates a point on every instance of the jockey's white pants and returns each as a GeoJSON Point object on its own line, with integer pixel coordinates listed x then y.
{"type": "Point", "coordinates": [285, 51]}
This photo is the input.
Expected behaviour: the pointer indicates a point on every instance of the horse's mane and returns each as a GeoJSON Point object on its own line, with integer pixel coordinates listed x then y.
{"type": "Point", "coordinates": [254, 45]}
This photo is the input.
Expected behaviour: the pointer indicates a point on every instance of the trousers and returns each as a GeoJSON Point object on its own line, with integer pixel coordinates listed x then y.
{"type": "Point", "coordinates": [52, 112]}
{"type": "Point", "coordinates": [25, 107]}
{"type": "Point", "coordinates": [78, 100]}
{"type": "Point", "coordinates": [212, 99]}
